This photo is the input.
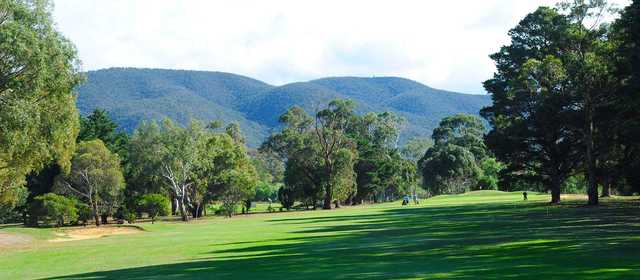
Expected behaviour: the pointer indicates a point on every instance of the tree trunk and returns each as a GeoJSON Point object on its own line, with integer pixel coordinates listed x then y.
{"type": "Point", "coordinates": [555, 190]}
{"type": "Point", "coordinates": [197, 211]}
{"type": "Point", "coordinates": [592, 187]}
{"type": "Point", "coordinates": [327, 198]}
{"type": "Point", "coordinates": [31, 220]}
{"type": "Point", "coordinates": [327, 202]}
{"type": "Point", "coordinates": [174, 206]}
{"type": "Point", "coordinates": [94, 207]}
{"type": "Point", "coordinates": [183, 210]}
{"type": "Point", "coordinates": [328, 195]}
{"type": "Point", "coordinates": [314, 200]}
{"type": "Point", "coordinates": [606, 186]}
{"type": "Point", "coordinates": [183, 213]}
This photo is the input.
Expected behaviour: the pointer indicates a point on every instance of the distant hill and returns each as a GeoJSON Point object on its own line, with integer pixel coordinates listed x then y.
{"type": "Point", "coordinates": [131, 95]}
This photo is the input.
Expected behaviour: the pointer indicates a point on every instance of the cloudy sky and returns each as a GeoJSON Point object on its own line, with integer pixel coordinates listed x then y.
{"type": "Point", "coordinates": [441, 43]}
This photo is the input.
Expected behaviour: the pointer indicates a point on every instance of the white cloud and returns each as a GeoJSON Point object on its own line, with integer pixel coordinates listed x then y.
{"type": "Point", "coordinates": [444, 44]}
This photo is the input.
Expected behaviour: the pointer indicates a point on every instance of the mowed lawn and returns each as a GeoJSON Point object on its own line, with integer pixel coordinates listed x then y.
{"type": "Point", "coordinates": [480, 235]}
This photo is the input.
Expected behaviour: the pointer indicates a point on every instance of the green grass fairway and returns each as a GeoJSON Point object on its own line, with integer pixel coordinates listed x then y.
{"type": "Point", "coordinates": [481, 235]}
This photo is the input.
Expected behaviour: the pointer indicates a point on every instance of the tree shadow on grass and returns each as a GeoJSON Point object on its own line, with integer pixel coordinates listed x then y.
{"type": "Point", "coordinates": [481, 241]}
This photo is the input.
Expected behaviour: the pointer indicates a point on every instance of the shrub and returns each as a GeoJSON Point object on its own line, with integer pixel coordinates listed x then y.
{"type": "Point", "coordinates": [11, 199]}
{"type": "Point", "coordinates": [229, 207]}
{"type": "Point", "coordinates": [130, 216]}
{"type": "Point", "coordinates": [126, 213]}
{"type": "Point", "coordinates": [575, 184]}
{"type": "Point", "coordinates": [84, 213]}
{"type": "Point", "coordinates": [154, 205]}
{"type": "Point", "coordinates": [270, 209]}
{"type": "Point", "coordinates": [53, 208]}
{"type": "Point", "coordinates": [265, 191]}
{"type": "Point", "coordinates": [285, 196]}
{"type": "Point", "coordinates": [490, 170]}
{"type": "Point", "coordinates": [246, 206]}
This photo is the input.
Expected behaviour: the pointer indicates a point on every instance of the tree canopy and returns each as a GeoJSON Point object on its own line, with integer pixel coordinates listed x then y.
{"type": "Point", "coordinates": [98, 125]}
{"type": "Point", "coordinates": [550, 82]}
{"type": "Point", "coordinates": [193, 163]}
{"type": "Point", "coordinates": [38, 116]}
{"type": "Point", "coordinates": [453, 164]}
{"type": "Point", "coordinates": [340, 156]}
{"type": "Point", "coordinates": [95, 177]}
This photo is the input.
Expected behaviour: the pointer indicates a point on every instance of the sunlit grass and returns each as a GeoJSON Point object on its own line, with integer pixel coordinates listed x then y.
{"type": "Point", "coordinates": [479, 235]}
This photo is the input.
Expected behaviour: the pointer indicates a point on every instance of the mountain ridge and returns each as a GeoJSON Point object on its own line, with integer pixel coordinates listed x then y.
{"type": "Point", "coordinates": [132, 95]}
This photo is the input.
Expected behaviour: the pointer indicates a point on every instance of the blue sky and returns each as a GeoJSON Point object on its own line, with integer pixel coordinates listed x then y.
{"type": "Point", "coordinates": [443, 44]}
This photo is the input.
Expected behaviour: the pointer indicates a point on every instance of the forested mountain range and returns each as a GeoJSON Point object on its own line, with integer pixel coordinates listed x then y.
{"type": "Point", "coordinates": [131, 95]}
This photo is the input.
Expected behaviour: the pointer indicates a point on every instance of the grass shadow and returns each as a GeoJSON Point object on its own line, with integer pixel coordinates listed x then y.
{"type": "Point", "coordinates": [478, 241]}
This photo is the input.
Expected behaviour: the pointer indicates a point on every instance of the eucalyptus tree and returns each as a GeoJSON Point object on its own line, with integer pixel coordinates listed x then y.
{"type": "Point", "coordinates": [304, 175]}
{"type": "Point", "coordinates": [396, 175]}
{"type": "Point", "coordinates": [269, 166]}
{"type": "Point", "coordinates": [415, 148]}
{"type": "Point", "coordinates": [95, 177]}
{"type": "Point", "coordinates": [195, 164]}
{"type": "Point", "coordinates": [380, 170]}
{"type": "Point", "coordinates": [233, 130]}
{"type": "Point", "coordinates": [337, 151]}
{"type": "Point", "coordinates": [296, 147]}
{"type": "Point", "coordinates": [318, 154]}
{"type": "Point", "coordinates": [227, 171]}
{"type": "Point", "coordinates": [38, 118]}
{"type": "Point", "coordinates": [171, 155]}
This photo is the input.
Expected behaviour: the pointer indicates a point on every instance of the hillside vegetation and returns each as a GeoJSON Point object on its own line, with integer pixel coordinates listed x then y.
{"type": "Point", "coordinates": [131, 95]}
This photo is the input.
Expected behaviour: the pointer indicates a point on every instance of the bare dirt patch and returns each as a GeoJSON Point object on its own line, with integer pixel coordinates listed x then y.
{"type": "Point", "coordinates": [93, 232]}
{"type": "Point", "coordinates": [8, 240]}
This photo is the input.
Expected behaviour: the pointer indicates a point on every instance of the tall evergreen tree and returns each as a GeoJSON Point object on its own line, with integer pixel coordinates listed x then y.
{"type": "Point", "coordinates": [626, 33]}
{"type": "Point", "coordinates": [551, 82]}
{"type": "Point", "coordinates": [98, 125]}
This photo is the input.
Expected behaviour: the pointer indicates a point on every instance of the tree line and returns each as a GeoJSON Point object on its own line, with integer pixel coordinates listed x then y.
{"type": "Point", "coordinates": [116, 175]}
{"type": "Point", "coordinates": [565, 98]}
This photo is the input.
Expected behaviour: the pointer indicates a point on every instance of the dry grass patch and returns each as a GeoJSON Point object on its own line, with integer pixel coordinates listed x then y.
{"type": "Point", "coordinates": [94, 232]}
{"type": "Point", "coordinates": [10, 240]}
